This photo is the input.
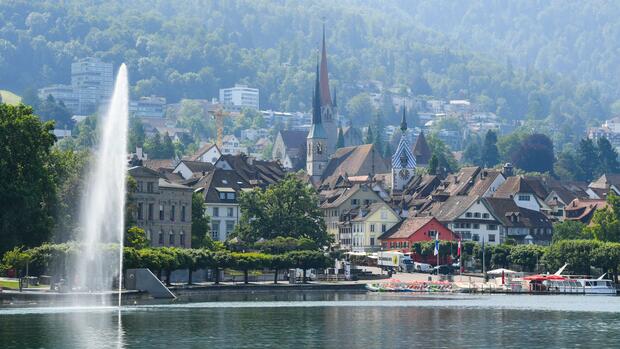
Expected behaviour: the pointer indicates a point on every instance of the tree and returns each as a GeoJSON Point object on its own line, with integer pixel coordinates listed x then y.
{"type": "Point", "coordinates": [587, 159]}
{"type": "Point", "coordinates": [200, 223]}
{"type": "Point", "coordinates": [50, 109]}
{"type": "Point", "coordinates": [433, 165]}
{"type": "Point", "coordinates": [360, 108]}
{"type": "Point", "coordinates": [136, 135]}
{"type": "Point", "coordinates": [446, 162]}
{"type": "Point", "coordinates": [535, 154]}
{"type": "Point", "coordinates": [526, 256]}
{"type": "Point", "coordinates": [489, 154]}
{"type": "Point", "coordinates": [473, 151]}
{"type": "Point", "coordinates": [605, 225]}
{"type": "Point", "coordinates": [568, 230]}
{"type": "Point", "coordinates": [607, 157]}
{"type": "Point", "coordinates": [27, 185]}
{"type": "Point", "coordinates": [288, 208]}
{"type": "Point", "coordinates": [136, 237]}
{"type": "Point", "coordinates": [167, 151]}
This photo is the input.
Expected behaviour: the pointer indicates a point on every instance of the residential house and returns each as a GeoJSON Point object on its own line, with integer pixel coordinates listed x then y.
{"type": "Point", "coordinates": [232, 146]}
{"type": "Point", "coordinates": [605, 184]}
{"type": "Point", "coordinates": [360, 227]}
{"type": "Point", "coordinates": [520, 224]}
{"type": "Point", "coordinates": [518, 189]}
{"type": "Point", "coordinates": [403, 235]}
{"type": "Point", "coordinates": [209, 152]}
{"type": "Point", "coordinates": [189, 169]}
{"type": "Point", "coordinates": [162, 208]}
{"type": "Point", "coordinates": [582, 210]}
{"type": "Point", "coordinates": [339, 201]}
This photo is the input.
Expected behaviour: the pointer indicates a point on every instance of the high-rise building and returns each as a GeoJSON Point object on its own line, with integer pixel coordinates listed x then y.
{"type": "Point", "coordinates": [239, 97]}
{"type": "Point", "coordinates": [92, 81]}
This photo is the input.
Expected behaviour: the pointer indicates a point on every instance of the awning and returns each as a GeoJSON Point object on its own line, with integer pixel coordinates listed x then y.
{"type": "Point", "coordinates": [500, 271]}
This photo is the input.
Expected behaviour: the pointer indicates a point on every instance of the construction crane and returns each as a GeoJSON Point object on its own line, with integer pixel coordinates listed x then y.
{"type": "Point", "coordinates": [219, 113]}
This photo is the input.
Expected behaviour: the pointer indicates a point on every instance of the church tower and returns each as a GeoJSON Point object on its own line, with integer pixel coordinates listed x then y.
{"type": "Point", "coordinates": [328, 112]}
{"type": "Point", "coordinates": [316, 143]}
{"type": "Point", "coordinates": [403, 161]}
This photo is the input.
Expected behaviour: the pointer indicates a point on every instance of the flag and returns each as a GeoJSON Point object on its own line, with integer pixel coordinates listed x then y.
{"type": "Point", "coordinates": [458, 251]}
{"type": "Point", "coordinates": [436, 252]}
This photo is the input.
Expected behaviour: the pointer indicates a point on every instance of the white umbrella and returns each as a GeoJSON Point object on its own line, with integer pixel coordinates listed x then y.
{"type": "Point", "coordinates": [500, 271]}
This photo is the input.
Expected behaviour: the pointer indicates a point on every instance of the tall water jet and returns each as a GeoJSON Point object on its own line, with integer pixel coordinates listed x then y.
{"type": "Point", "coordinates": [99, 260]}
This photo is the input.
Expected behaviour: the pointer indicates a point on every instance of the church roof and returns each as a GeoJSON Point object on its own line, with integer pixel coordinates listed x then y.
{"type": "Point", "coordinates": [355, 161]}
{"type": "Point", "coordinates": [421, 150]}
{"type": "Point", "coordinates": [293, 139]}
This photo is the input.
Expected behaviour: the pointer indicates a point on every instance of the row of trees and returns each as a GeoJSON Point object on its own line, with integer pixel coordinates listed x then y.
{"type": "Point", "coordinates": [56, 260]}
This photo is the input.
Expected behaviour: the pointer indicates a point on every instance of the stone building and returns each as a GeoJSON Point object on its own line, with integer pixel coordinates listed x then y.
{"type": "Point", "coordinates": [162, 208]}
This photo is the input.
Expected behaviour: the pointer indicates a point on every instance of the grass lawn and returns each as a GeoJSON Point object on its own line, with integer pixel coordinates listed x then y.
{"type": "Point", "coordinates": [9, 97]}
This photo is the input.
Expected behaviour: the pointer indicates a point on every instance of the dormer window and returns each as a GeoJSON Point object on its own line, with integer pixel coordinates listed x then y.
{"type": "Point", "coordinates": [524, 198]}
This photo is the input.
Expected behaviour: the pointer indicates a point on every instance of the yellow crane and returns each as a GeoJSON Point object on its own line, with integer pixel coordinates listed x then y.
{"type": "Point", "coordinates": [219, 113]}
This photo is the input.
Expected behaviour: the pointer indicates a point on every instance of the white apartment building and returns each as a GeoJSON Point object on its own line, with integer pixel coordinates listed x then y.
{"type": "Point", "coordinates": [239, 97]}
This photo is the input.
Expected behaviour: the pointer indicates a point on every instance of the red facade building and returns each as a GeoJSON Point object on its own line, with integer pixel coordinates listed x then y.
{"type": "Point", "coordinates": [402, 236]}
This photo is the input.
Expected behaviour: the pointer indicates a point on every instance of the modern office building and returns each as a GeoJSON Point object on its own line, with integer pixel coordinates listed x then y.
{"type": "Point", "coordinates": [239, 97]}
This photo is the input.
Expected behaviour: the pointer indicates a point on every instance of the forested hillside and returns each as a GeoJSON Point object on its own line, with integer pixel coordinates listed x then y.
{"type": "Point", "coordinates": [501, 56]}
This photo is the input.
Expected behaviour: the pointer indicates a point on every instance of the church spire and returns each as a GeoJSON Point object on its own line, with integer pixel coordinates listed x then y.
{"type": "Point", "coordinates": [403, 121]}
{"type": "Point", "coordinates": [316, 99]}
{"type": "Point", "coordinates": [326, 99]}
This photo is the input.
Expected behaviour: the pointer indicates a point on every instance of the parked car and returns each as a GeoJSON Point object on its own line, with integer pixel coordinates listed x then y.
{"type": "Point", "coordinates": [422, 267]}
{"type": "Point", "coordinates": [442, 270]}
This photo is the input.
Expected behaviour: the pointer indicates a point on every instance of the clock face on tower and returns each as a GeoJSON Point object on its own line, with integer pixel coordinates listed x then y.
{"type": "Point", "coordinates": [404, 174]}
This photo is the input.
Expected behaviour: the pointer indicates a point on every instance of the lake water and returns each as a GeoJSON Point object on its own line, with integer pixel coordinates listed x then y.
{"type": "Point", "coordinates": [324, 319]}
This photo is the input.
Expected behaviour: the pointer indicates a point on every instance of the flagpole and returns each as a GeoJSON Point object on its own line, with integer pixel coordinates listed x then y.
{"type": "Point", "coordinates": [484, 267]}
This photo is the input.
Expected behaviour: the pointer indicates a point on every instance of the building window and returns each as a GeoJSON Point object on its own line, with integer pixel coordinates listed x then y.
{"type": "Point", "coordinates": [140, 187]}
{"type": "Point", "coordinates": [432, 233]}
{"type": "Point", "coordinates": [475, 237]}
{"type": "Point", "coordinates": [230, 226]}
{"type": "Point", "coordinates": [183, 213]}
{"type": "Point", "coordinates": [230, 196]}
{"type": "Point", "coordinates": [468, 214]}
{"type": "Point", "coordinates": [216, 212]}
{"type": "Point", "coordinates": [161, 212]}
{"type": "Point", "coordinates": [476, 226]}
{"type": "Point", "coordinates": [215, 230]}
{"type": "Point", "coordinates": [491, 227]}
{"type": "Point", "coordinates": [355, 202]}
{"type": "Point", "coordinates": [372, 241]}
{"type": "Point", "coordinates": [151, 212]}
{"type": "Point", "coordinates": [372, 228]}
{"type": "Point", "coordinates": [477, 214]}
{"type": "Point", "coordinates": [524, 198]}
{"type": "Point", "coordinates": [491, 237]}
{"type": "Point", "coordinates": [229, 212]}
{"type": "Point", "coordinates": [161, 237]}
{"type": "Point", "coordinates": [149, 187]}
{"type": "Point", "coordinates": [140, 209]}
{"type": "Point", "coordinates": [171, 238]}
{"type": "Point", "coordinates": [182, 238]}
{"type": "Point", "coordinates": [383, 228]}
{"type": "Point", "coordinates": [485, 215]}
{"type": "Point", "coordinates": [222, 196]}
{"type": "Point", "coordinates": [172, 213]}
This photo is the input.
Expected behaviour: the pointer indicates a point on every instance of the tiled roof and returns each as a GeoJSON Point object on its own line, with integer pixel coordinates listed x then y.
{"type": "Point", "coordinates": [452, 208]}
{"type": "Point", "coordinates": [205, 148]}
{"type": "Point", "coordinates": [503, 209]}
{"type": "Point", "coordinates": [421, 150]}
{"type": "Point", "coordinates": [157, 165]}
{"type": "Point", "coordinates": [354, 161]}
{"type": "Point", "coordinates": [406, 228]}
{"type": "Point", "coordinates": [198, 166]}
{"type": "Point", "coordinates": [463, 181]}
{"type": "Point", "coordinates": [512, 186]}
{"type": "Point", "coordinates": [484, 182]}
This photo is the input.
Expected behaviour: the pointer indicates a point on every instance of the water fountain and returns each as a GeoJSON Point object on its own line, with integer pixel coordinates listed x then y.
{"type": "Point", "coordinates": [99, 261]}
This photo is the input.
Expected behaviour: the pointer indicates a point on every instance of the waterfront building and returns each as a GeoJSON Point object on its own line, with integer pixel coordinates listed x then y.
{"type": "Point", "coordinates": [404, 234]}
{"type": "Point", "coordinates": [359, 228]}
{"type": "Point", "coordinates": [240, 97]}
{"type": "Point", "coordinates": [162, 208]}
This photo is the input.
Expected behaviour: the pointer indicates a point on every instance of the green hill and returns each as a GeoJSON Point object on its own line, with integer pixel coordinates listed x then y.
{"type": "Point", "coordinates": [9, 97]}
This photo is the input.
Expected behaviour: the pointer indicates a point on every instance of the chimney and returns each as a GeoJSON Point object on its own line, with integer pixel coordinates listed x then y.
{"type": "Point", "coordinates": [508, 170]}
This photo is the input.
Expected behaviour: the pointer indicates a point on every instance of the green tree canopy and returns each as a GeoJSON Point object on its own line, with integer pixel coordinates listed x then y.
{"type": "Point", "coordinates": [288, 209]}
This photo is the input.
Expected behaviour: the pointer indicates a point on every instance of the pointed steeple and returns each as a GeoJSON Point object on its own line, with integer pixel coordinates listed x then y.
{"type": "Point", "coordinates": [326, 99]}
{"type": "Point", "coordinates": [317, 130]}
{"type": "Point", "coordinates": [335, 99]}
{"type": "Point", "coordinates": [403, 121]}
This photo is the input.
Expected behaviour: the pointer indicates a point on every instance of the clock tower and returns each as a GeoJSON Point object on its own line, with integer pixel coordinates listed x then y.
{"type": "Point", "coordinates": [316, 143]}
{"type": "Point", "coordinates": [403, 160]}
